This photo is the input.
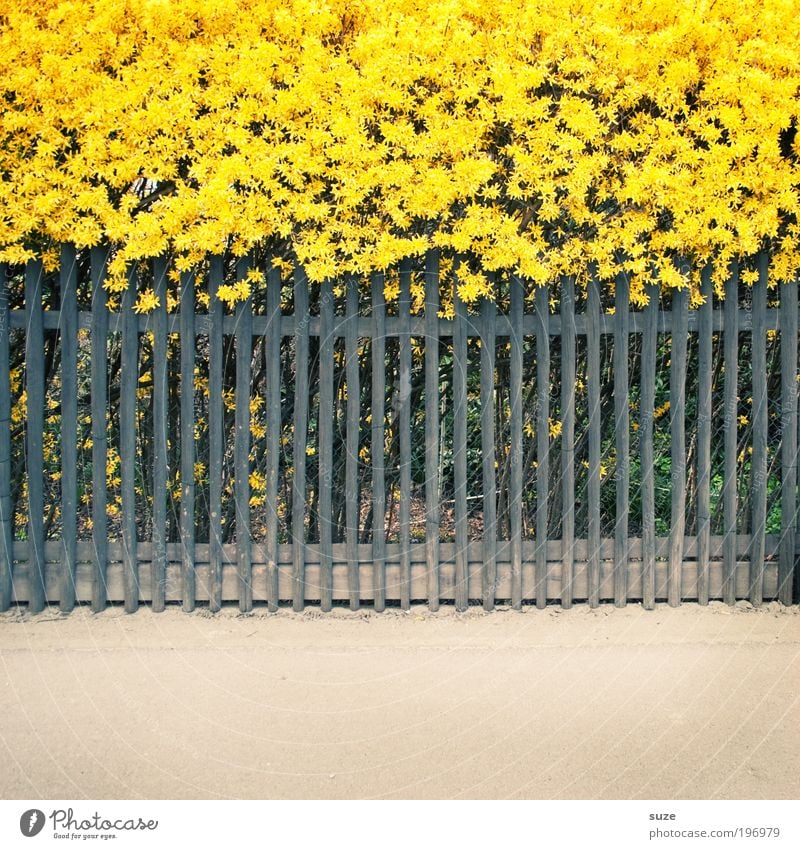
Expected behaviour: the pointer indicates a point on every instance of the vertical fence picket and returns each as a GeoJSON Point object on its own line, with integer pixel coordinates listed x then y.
{"type": "Point", "coordinates": [622, 427]}
{"type": "Point", "coordinates": [34, 429]}
{"type": "Point", "coordinates": [593, 392]}
{"type": "Point", "coordinates": [99, 393]}
{"type": "Point", "coordinates": [404, 423]}
{"type": "Point", "coordinates": [488, 343]}
{"type": "Point", "coordinates": [542, 306]}
{"type": "Point", "coordinates": [301, 317]}
{"type": "Point", "coordinates": [378, 442]}
{"type": "Point", "coordinates": [326, 444]}
{"type": "Point", "coordinates": [704, 399]}
{"type": "Point", "coordinates": [432, 509]}
{"type": "Point", "coordinates": [273, 390]}
{"type": "Point", "coordinates": [160, 455]}
{"type": "Point", "coordinates": [352, 500]}
{"type": "Point", "coordinates": [187, 441]}
{"type": "Point", "coordinates": [516, 343]}
{"type": "Point", "coordinates": [216, 416]}
{"type": "Point", "coordinates": [568, 333]}
{"type": "Point", "coordinates": [6, 507]}
{"type": "Point", "coordinates": [460, 447]}
{"type": "Point", "coordinates": [646, 416]}
{"type": "Point", "coordinates": [677, 418]}
{"type": "Point", "coordinates": [129, 379]}
{"type": "Point", "coordinates": [789, 330]}
{"type": "Point", "coordinates": [241, 444]}
{"type": "Point", "coordinates": [729, 495]}
{"type": "Point", "coordinates": [69, 426]}
{"type": "Point", "coordinates": [758, 468]}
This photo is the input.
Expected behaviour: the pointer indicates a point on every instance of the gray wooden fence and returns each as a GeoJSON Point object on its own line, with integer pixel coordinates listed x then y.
{"type": "Point", "coordinates": [546, 396]}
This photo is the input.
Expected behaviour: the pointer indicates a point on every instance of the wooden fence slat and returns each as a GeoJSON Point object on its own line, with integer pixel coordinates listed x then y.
{"type": "Point", "coordinates": [704, 408]}
{"type": "Point", "coordinates": [758, 468]}
{"type": "Point", "coordinates": [646, 449]}
{"type": "Point", "coordinates": [69, 425]}
{"type": "Point", "coordinates": [677, 419]}
{"type": "Point", "coordinates": [99, 393]}
{"type": "Point", "coordinates": [6, 505]}
{"type": "Point", "coordinates": [241, 442]}
{"type": "Point", "coordinates": [730, 423]}
{"type": "Point", "coordinates": [789, 336]}
{"type": "Point", "coordinates": [489, 474]}
{"type": "Point", "coordinates": [352, 441]}
{"type": "Point", "coordinates": [378, 441]}
{"type": "Point", "coordinates": [567, 439]}
{"type": "Point", "coordinates": [516, 344]}
{"type": "Point", "coordinates": [325, 444]}
{"type": "Point", "coordinates": [187, 530]}
{"type": "Point", "coordinates": [272, 351]}
{"type": "Point", "coordinates": [129, 380]}
{"type": "Point", "coordinates": [432, 509]}
{"type": "Point", "coordinates": [158, 572]}
{"type": "Point", "coordinates": [34, 429]}
{"type": "Point", "coordinates": [216, 420]}
{"type": "Point", "coordinates": [460, 446]}
{"type": "Point", "coordinates": [542, 307]}
{"type": "Point", "coordinates": [593, 392]}
{"type": "Point", "coordinates": [404, 424]}
{"type": "Point", "coordinates": [622, 428]}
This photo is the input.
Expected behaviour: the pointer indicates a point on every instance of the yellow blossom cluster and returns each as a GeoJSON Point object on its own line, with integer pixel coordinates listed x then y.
{"type": "Point", "coordinates": [521, 135]}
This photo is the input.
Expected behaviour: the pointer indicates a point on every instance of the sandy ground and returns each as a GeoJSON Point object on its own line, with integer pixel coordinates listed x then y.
{"type": "Point", "coordinates": [611, 704]}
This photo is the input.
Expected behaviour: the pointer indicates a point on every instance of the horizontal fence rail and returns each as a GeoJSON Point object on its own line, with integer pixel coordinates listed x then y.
{"type": "Point", "coordinates": [382, 442]}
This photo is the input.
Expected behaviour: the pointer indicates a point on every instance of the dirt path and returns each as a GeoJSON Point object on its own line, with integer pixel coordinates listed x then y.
{"type": "Point", "coordinates": [686, 703]}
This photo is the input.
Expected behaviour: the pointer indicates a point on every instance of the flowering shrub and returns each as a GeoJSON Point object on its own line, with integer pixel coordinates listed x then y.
{"type": "Point", "coordinates": [525, 136]}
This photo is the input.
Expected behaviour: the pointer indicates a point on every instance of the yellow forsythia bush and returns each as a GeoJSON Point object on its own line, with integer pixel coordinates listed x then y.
{"type": "Point", "coordinates": [527, 135]}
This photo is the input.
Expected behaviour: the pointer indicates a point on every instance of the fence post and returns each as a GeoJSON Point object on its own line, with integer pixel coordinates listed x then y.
{"type": "Point", "coordinates": [241, 446]}
{"type": "Point", "coordinates": [622, 427]}
{"type": "Point", "coordinates": [273, 389]}
{"type": "Point", "coordinates": [593, 391]}
{"type": "Point", "coordinates": [6, 506]}
{"type": "Point", "coordinates": [352, 440]}
{"type": "Point", "coordinates": [377, 443]}
{"type": "Point", "coordinates": [432, 426]}
{"type": "Point", "coordinates": [325, 436]}
{"type": "Point", "coordinates": [187, 439]}
{"type": "Point", "coordinates": [516, 343]}
{"type": "Point", "coordinates": [460, 447]}
{"type": "Point", "coordinates": [216, 415]}
{"type": "Point", "coordinates": [567, 439]}
{"type": "Point", "coordinates": [69, 425]}
{"type": "Point", "coordinates": [160, 455]}
{"type": "Point", "coordinates": [404, 311]}
{"type": "Point", "coordinates": [677, 392]}
{"type": "Point", "coordinates": [542, 307]}
{"type": "Point", "coordinates": [729, 495]}
{"type": "Point", "coordinates": [704, 399]}
{"type": "Point", "coordinates": [789, 330]}
{"type": "Point", "coordinates": [646, 413]}
{"type": "Point", "coordinates": [488, 342]}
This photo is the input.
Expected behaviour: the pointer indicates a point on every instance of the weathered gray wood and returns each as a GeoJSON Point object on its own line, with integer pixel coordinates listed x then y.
{"type": "Point", "coordinates": [187, 531]}
{"type": "Point", "coordinates": [272, 351]}
{"type": "Point", "coordinates": [789, 336]}
{"type": "Point", "coordinates": [34, 429]}
{"type": "Point", "coordinates": [378, 440]}
{"type": "Point", "coordinates": [730, 425]}
{"type": "Point", "coordinates": [432, 425]}
{"type": "Point", "coordinates": [622, 432]}
{"type": "Point", "coordinates": [488, 343]}
{"type": "Point", "coordinates": [160, 427]}
{"type": "Point", "coordinates": [128, 384]}
{"type": "Point", "coordinates": [677, 420]}
{"type": "Point", "coordinates": [593, 392]}
{"type": "Point", "coordinates": [460, 446]}
{"type": "Point", "coordinates": [516, 342]}
{"type": "Point", "coordinates": [6, 505]}
{"type": "Point", "coordinates": [69, 425]}
{"type": "Point", "coordinates": [216, 446]}
{"type": "Point", "coordinates": [567, 438]}
{"type": "Point", "coordinates": [99, 391]}
{"type": "Point", "coordinates": [542, 307]}
{"type": "Point", "coordinates": [704, 399]}
{"type": "Point", "coordinates": [404, 424]}
{"type": "Point", "coordinates": [646, 452]}
{"type": "Point", "coordinates": [326, 444]}
{"type": "Point", "coordinates": [758, 468]}
{"type": "Point", "coordinates": [241, 441]}
{"type": "Point", "coordinates": [352, 440]}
